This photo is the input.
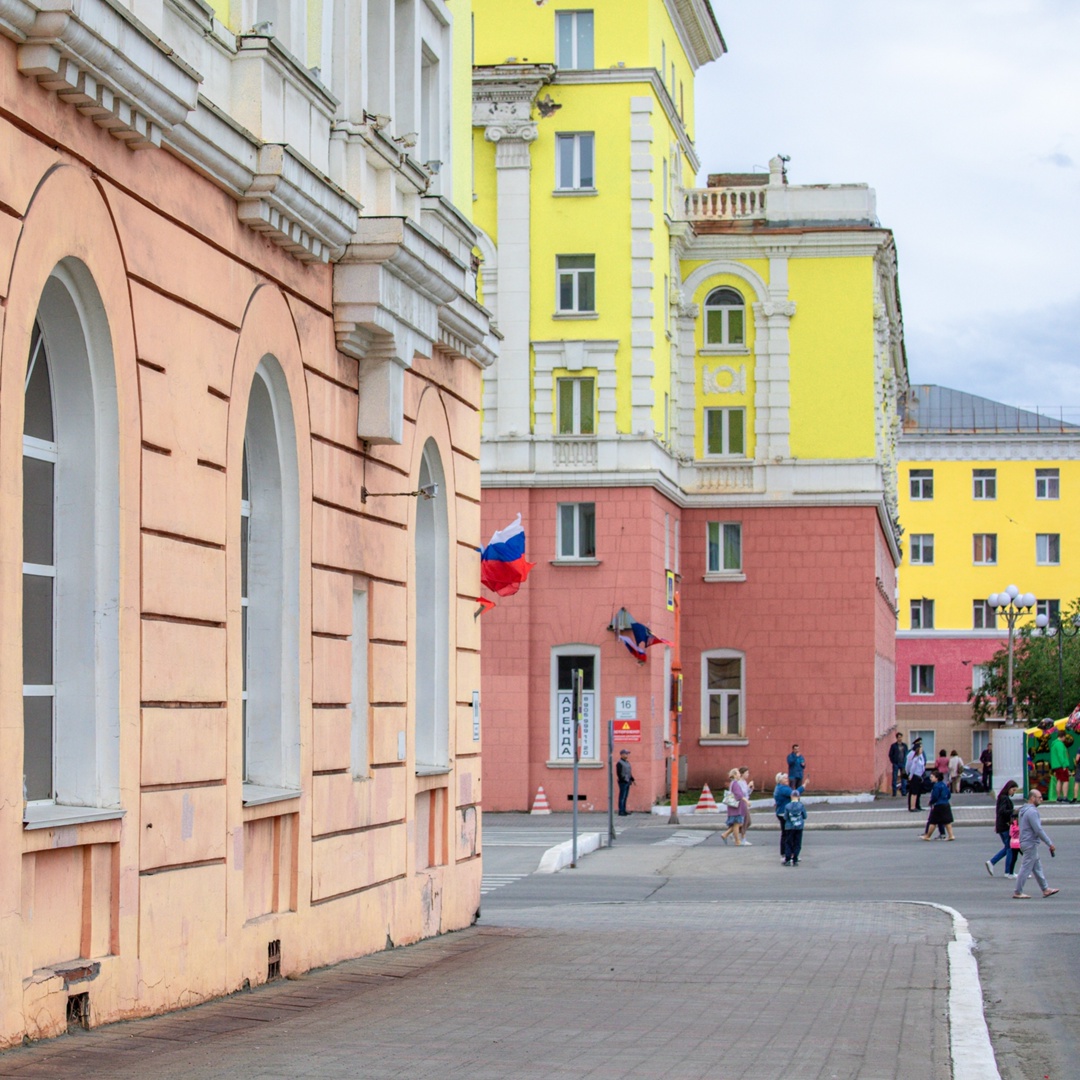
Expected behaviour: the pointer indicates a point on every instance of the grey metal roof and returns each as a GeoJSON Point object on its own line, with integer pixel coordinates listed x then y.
{"type": "Point", "coordinates": [938, 410]}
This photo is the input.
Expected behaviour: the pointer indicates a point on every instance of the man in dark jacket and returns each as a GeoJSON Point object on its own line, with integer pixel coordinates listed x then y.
{"type": "Point", "coordinates": [625, 775]}
{"type": "Point", "coordinates": [897, 757]}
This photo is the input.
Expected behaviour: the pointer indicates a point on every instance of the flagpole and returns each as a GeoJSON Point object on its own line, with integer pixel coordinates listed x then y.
{"type": "Point", "coordinates": [676, 715]}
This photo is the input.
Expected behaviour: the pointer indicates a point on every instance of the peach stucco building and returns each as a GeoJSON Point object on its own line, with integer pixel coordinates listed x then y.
{"type": "Point", "coordinates": [239, 335]}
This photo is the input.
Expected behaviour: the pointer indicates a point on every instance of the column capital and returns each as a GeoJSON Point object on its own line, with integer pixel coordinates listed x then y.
{"type": "Point", "coordinates": [503, 99]}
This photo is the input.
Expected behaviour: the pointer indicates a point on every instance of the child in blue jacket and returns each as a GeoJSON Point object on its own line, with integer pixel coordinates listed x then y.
{"type": "Point", "coordinates": [794, 820]}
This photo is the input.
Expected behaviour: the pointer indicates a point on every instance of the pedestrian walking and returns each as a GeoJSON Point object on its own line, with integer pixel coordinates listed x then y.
{"type": "Point", "coordinates": [781, 797]}
{"type": "Point", "coordinates": [986, 758]}
{"type": "Point", "coordinates": [734, 813]}
{"type": "Point", "coordinates": [746, 787]}
{"type": "Point", "coordinates": [956, 766]}
{"type": "Point", "coordinates": [941, 762]}
{"type": "Point", "coordinates": [624, 773]}
{"type": "Point", "coordinates": [796, 767]}
{"type": "Point", "coordinates": [898, 753]}
{"type": "Point", "coordinates": [915, 766]}
{"type": "Point", "coordinates": [1004, 812]}
{"type": "Point", "coordinates": [1032, 834]}
{"type": "Point", "coordinates": [940, 810]}
{"type": "Point", "coordinates": [794, 821]}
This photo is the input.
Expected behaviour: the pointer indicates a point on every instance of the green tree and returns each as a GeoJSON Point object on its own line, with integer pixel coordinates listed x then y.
{"type": "Point", "coordinates": [1036, 655]}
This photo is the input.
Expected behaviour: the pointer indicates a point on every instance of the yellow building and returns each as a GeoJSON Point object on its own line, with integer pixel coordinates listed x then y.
{"type": "Point", "coordinates": [665, 412]}
{"type": "Point", "coordinates": [985, 503]}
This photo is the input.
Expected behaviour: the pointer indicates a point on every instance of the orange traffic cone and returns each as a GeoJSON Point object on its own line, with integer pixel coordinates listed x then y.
{"type": "Point", "coordinates": [540, 804]}
{"type": "Point", "coordinates": [706, 804]}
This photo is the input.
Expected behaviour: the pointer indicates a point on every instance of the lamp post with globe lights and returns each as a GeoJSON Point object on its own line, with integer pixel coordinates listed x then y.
{"type": "Point", "coordinates": [1011, 604]}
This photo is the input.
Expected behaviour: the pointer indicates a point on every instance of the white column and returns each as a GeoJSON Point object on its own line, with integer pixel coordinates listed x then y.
{"type": "Point", "coordinates": [642, 220]}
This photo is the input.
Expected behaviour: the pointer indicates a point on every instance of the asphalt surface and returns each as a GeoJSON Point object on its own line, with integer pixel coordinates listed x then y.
{"type": "Point", "coordinates": [666, 955]}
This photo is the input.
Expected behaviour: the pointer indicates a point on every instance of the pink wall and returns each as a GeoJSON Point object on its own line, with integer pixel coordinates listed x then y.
{"type": "Point", "coordinates": [952, 658]}
{"type": "Point", "coordinates": [809, 617]}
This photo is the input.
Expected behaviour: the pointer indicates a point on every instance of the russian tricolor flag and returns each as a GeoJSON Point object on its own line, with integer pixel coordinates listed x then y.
{"type": "Point", "coordinates": [502, 563]}
{"type": "Point", "coordinates": [637, 638]}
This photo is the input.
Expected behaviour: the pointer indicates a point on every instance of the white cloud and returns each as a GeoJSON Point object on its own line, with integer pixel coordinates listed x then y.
{"type": "Point", "coordinates": [962, 116]}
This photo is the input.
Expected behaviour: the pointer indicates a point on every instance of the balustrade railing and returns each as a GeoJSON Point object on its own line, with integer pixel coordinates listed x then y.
{"type": "Point", "coordinates": [724, 204]}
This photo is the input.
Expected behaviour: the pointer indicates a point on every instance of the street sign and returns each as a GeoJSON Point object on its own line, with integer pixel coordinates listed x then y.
{"type": "Point", "coordinates": [626, 708]}
{"type": "Point", "coordinates": [627, 731]}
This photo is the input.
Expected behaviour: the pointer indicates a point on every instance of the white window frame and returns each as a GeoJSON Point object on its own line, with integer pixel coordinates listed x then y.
{"type": "Point", "coordinates": [922, 614]}
{"type": "Point", "coordinates": [574, 386]}
{"type": "Point", "coordinates": [725, 695]}
{"type": "Point", "coordinates": [431, 605]}
{"type": "Point", "coordinates": [922, 680]}
{"type": "Point", "coordinates": [1050, 608]}
{"type": "Point", "coordinates": [582, 39]}
{"type": "Point", "coordinates": [1048, 549]}
{"type": "Point", "coordinates": [983, 616]}
{"type": "Point", "coordinates": [922, 549]}
{"type": "Point", "coordinates": [979, 674]}
{"type": "Point", "coordinates": [580, 512]}
{"type": "Point", "coordinates": [711, 305]}
{"type": "Point", "coordinates": [272, 658]}
{"type": "Point", "coordinates": [984, 484]}
{"type": "Point", "coordinates": [576, 275]}
{"type": "Point", "coordinates": [716, 537]}
{"type": "Point", "coordinates": [571, 144]}
{"type": "Point", "coordinates": [85, 750]}
{"type": "Point", "coordinates": [980, 543]}
{"type": "Point", "coordinates": [725, 413]}
{"type": "Point", "coordinates": [1047, 483]}
{"type": "Point", "coordinates": [561, 752]}
{"type": "Point", "coordinates": [921, 484]}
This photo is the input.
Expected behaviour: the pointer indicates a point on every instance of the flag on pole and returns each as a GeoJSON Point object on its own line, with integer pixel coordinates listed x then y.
{"type": "Point", "coordinates": [503, 566]}
{"type": "Point", "coordinates": [637, 638]}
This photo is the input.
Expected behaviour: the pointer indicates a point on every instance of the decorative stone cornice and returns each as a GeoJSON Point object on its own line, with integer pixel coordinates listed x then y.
{"type": "Point", "coordinates": [99, 58]}
{"type": "Point", "coordinates": [503, 98]}
{"type": "Point", "coordinates": [697, 29]}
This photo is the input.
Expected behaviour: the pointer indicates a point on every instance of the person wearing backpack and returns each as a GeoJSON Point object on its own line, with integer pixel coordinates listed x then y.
{"type": "Point", "coordinates": [1004, 817]}
{"type": "Point", "coordinates": [794, 822]}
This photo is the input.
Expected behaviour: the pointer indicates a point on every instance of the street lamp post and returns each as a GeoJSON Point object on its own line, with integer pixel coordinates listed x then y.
{"type": "Point", "coordinates": [1011, 604]}
{"type": "Point", "coordinates": [1054, 626]}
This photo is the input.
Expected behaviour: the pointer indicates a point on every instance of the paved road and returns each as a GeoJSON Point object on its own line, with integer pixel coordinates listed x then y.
{"type": "Point", "coordinates": [668, 955]}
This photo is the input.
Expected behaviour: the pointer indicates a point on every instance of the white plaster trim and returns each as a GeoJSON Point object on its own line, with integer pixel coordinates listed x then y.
{"type": "Point", "coordinates": [643, 165]}
{"type": "Point", "coordinates": [51, 815]}
{"type": "Point", "coordinates": [718, 266]}
{"type": "Point", "coordinates": [99, 58]}
{"type": "Point", "coordinates": [811, 242]}
{"type": "Point", "coordinates": [574, 356]}
{"type": "Point", "coordinates": [698, 35]}
{"type": "Point", "coordinates": [1019, 446]}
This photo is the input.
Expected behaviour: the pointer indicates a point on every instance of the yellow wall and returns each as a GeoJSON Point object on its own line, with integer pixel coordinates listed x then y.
{"type": "Point", "coordinates": [832, 350]}
{"type": "Point", "coordinates": [953, 582]}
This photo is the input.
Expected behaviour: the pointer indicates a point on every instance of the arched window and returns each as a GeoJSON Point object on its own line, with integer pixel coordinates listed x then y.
{"type": "Point", "coordinates": [432, 599]}
{"type": "Point", "coordinates": [723, 693]}
{"type": "Point", "coordinates": [71, 559]}
{"type": "Point", "coordinates": [725, 318]}
{"type": "Point", "coordinates": [270, 591]}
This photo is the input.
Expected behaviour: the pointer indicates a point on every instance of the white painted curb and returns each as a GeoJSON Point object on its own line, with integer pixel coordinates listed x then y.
{"type": "Point", "coordinates": [767, 804]}
{"type": "Point", "coordinates": [561, 855]}
{"type": "Point", "coordinates": [969, 1038]}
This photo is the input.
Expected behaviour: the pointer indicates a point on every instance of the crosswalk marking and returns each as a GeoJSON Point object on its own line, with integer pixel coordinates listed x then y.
{"type": "Point", "coordinates": [491, 882]}
{"type": "Point", "coordinates": [683, 839]}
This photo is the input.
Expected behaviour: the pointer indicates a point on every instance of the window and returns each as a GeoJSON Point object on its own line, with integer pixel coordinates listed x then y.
{"type": "Point", "coordinates": [574, 162]}
{"type": "Point", "coordinates": [270, 591]}
{"type": "Point", "coordinates": [980, 740]}
{"type": "Point", "coordinates": [922, 483]}
{"type": "Point", "coordinates": [724, 546]}
{"type": "Point", "coordinates": [70, 555]}
{"type": "Point", "coordinates": [983, 616]}
{"type": "Point", "coordinates": [725, 312]}
{"type": "Point", "coordinates": [565, 660]}
{"type": "Point", "coordinates": [1050, 608]}
{"type": "Point", "coordinates": [725, 432]}
{"type": "Point", "coordinates": [979, 674]}
{"type": "Point", "coordinates": [985, 545]}
{"type": "Point", "coordinates": [922, 549]}
{"type": "Point", "coordinates": [984, 483]}
{"type": "Point", "coordinates": [577, 283]}
{"type": "Point", "coordinates": [721, 695]}
{"type": "Point", "coordinates": [1047, 484]}
{"type": "Point", "coordinates": [1048, 549]}
{"type": "Point", "coordinates": [922, 678]}
{"type": "Point", "coordinates": [577, 406]}
{"type": "Point", "coordinates": [577, 531]}
{"type": "Point", "coordinates": [574, 40]}
{"type": "Point", "coordinates": [431, 599]}
{"type": "Point", "coordinates": [922, 614]}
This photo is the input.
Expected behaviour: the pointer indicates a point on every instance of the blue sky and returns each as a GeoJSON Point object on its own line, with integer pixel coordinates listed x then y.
{"type": "Point", "coordinates": [964, 116]}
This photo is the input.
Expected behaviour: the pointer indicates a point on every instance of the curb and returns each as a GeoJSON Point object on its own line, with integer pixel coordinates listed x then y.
{"type": "Point", "coordinates": [560, 856]}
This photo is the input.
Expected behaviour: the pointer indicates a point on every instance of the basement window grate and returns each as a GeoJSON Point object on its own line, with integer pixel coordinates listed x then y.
{"type": "Point", "coordinates": [78, 1012]}
{"type": "Point", "coordinates": [273, 960]}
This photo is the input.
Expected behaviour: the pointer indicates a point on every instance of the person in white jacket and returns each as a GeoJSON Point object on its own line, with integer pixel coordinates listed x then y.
{"type": "Point", "coordinates": [1032, 834]}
